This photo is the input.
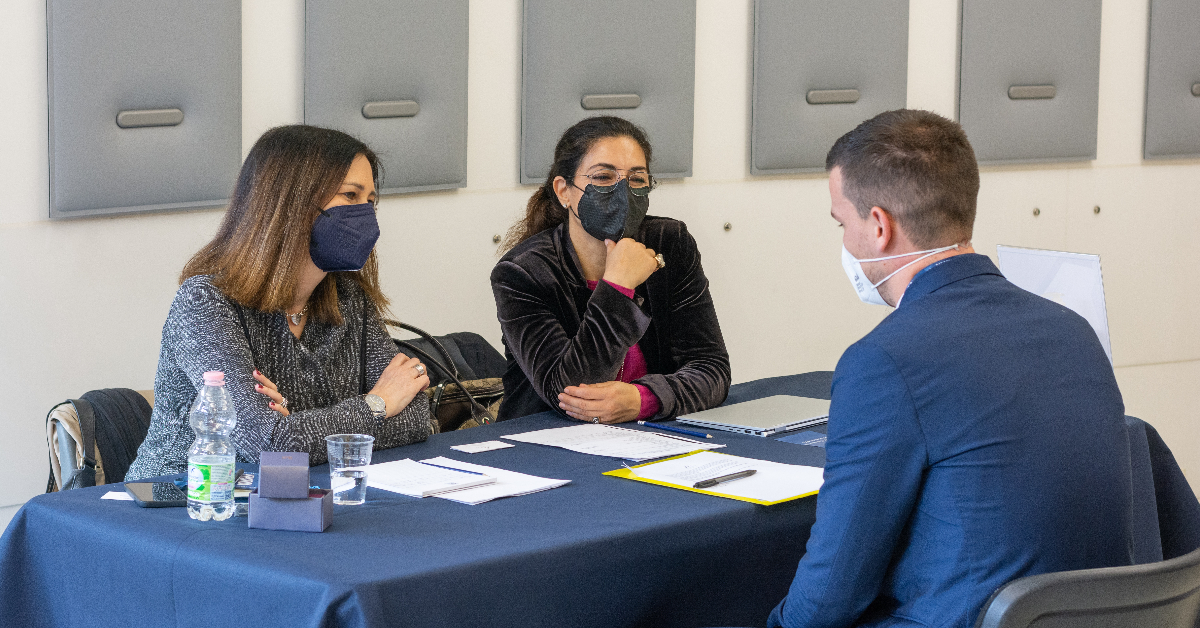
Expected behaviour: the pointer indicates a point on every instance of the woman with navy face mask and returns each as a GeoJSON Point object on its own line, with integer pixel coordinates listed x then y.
{"type": "Point", "coordinates": [285, 300]}
{"type": "Point", "coordinates": [605, 311]}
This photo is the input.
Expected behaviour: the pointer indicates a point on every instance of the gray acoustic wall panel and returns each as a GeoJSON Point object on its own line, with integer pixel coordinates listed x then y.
{"type": "Point", "coordinates": [145, 104]}
{"type": "Point", "coordinates": [626, 58]}
{"type": "Point", "coordinates": [1173, 80]}
{"type": "Point", "coordinates": [392, 73]}
{"type": "Point", "coordinates": [815, 80]}
{"type": "Point", "coordinates": [1029, 79]}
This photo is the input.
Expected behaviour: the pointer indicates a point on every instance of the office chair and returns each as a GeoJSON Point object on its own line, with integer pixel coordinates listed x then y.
{"type": "Point", "coordinates": [1163, 595]}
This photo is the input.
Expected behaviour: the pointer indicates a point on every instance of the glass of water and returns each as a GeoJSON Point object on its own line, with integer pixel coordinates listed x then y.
{"type": "Point", "coordinates": [349, 455]}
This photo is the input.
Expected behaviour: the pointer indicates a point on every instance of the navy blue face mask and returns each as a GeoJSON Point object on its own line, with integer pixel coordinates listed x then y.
{"type": "Point", "coordinates": [343, 237]}
{"type": "Point", "coordinates": [613, 212]}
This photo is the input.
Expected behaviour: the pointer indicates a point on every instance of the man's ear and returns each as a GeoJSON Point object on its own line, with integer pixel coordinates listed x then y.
{"type": "Point", "coordinates": [883, 227]}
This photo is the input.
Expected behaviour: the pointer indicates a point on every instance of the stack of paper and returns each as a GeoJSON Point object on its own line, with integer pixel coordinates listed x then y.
{"type": "Point", "coordinates": [415, 479]}
{"type": "Point", "coordinates": [617, 442]}
{"type": "Point", "coordinates": [772, 482]}
{"type": "Point", "coordinates": [508, 483]}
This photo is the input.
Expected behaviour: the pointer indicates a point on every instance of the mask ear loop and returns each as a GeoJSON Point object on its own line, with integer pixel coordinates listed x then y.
{"type": "Point", "coordinates": [893, 273]}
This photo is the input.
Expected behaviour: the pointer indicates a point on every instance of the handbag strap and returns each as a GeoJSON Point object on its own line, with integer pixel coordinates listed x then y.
{"type": "Point", "coordinates": [449, 371]}
{"type": "Point", "coordinates": [245, 328]}
{"type": "Point", "coordinates": [437, 344]}
{"type": "Point", "coordinates": [362, 352]}
{"type": "Point", "coordinates": [86, 475]}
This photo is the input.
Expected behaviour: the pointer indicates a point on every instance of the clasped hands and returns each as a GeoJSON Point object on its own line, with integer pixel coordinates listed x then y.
{"type": "Point", "coordinates": [610, 402]}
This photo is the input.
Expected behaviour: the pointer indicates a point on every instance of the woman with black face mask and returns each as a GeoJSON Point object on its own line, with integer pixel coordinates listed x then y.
{"type": "Point", "coordinates": [605, 311]}
{"type": "Point", "coordinates": [285, 300]}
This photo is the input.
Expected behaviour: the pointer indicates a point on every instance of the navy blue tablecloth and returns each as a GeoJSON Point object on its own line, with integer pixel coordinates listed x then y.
{"type": "Point", "coordinates": [600, 551]}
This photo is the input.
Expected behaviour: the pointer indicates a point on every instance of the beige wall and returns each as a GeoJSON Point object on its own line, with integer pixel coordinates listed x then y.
{"type": "Point", "coordinates": [82, 302]}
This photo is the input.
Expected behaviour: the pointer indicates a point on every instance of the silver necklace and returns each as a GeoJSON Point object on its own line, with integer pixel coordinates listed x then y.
{"type": "Point", "coordinates": [295, 318]}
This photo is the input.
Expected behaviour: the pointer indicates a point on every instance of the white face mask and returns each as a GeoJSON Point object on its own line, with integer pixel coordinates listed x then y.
{"type": "Point", "coordinates": [867, 291]}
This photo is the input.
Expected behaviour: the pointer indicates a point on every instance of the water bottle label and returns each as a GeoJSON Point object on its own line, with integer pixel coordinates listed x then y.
{"type": "Point", "coordinates": [210, 482]}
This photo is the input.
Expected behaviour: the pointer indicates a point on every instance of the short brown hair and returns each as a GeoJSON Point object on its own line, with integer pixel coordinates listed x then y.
{"type": "Point", "coordinates": [918, 166]}
{"type": "Point", "coordinates": [256, 256]}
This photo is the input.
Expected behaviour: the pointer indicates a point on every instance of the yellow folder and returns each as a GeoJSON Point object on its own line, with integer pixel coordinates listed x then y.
{"type": "Point", "coordinates": [625, 473]}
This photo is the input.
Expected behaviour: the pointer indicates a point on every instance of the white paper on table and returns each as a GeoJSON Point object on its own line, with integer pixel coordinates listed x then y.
{"type": "Point", "coordinates": [1072, 280]}
{"type": "Point", "coordinates": [120, 496]}
{"type": "Point", "coordinates": [616, 442]}
{"type": "Point", "coordinates": [475, 448]}
{"type": "Point", "coordinates": [772, 482]}
{"type": "Point", "coordinates": [508, 483]}
{"type": "Point", "coordinates": [409, 477]}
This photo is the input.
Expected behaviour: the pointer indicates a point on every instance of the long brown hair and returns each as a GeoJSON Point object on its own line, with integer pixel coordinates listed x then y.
{"type": "Point", "coordinates": [543, 210]}
{"type": "Point", "coordinates": [257, 255]}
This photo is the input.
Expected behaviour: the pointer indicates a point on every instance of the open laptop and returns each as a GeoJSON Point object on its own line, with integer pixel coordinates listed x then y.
{"type": "Point", "coordinates": [763, 417]}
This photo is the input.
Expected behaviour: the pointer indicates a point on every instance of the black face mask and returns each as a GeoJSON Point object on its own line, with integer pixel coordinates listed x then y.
{"type": "Point", "coordinates": [613, 212]}
{"type": "Point", "coordinates": [343, 237]}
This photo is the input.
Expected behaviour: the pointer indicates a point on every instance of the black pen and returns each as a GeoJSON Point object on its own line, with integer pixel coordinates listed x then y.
{"type": "Point", "coordinates": [724, 478]}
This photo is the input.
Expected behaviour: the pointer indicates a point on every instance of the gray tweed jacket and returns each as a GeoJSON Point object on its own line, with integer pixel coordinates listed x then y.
{"type": "Point", "coordinates": [319, 374]}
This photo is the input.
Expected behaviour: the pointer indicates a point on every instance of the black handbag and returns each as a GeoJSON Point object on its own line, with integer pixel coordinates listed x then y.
{"type": "Point", "coordinates": [465, 385]}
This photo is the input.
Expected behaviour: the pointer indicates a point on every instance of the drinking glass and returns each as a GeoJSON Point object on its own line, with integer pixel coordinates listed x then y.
{"type": "Point", "coordinates": [349, 455]}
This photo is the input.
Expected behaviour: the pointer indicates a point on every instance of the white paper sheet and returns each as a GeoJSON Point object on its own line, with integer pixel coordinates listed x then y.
{"type": "Point", "coordinates": [409, 477]}
{"type": "Point", "coordinates": [616, 442]}
{"type": "Point", "coordinates": [120, 496]}
{"type": "Point", "coordinates": [773, 481]}
{"type": "Point", "coordinates": [475, 448]}
{"type": "Point", "coordinates": [508, 483]}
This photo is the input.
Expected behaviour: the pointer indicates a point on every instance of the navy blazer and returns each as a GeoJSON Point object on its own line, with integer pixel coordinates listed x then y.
{"type": "Point", "coordinates": [976, 435]}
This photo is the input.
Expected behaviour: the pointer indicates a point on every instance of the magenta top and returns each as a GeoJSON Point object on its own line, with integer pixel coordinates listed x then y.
{"type": "Point", "coordinates": [634, 366]}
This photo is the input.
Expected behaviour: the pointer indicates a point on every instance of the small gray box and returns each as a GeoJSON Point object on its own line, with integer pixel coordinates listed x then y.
{"type": "Point", "coordinates": [283, 474]}
{"type": "Point", "coordinates": [392, 73]}
{"type": "Point", "coordinates": [1173, 80]}
{"type": "Point", "coordinates": [1029, 79]}
{"type": "Point", "coordinates": [144, 104]}
{"type": "Point", "coordinates": [583, 59]}
{"type": "Point", "coordinates": [814, 80]}
{"type": "Point", "coordinates": [311, 514]}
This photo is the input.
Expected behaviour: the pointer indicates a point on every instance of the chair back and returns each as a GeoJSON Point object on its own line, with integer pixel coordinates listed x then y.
{"type": "Point", "coordinates": [93, 440]}
{"type": "Point", "coordinates": [1164, 595]}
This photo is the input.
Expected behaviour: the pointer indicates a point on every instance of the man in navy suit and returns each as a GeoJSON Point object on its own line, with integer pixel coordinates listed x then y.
{"type": "Point", "coordinates": [976, 435]}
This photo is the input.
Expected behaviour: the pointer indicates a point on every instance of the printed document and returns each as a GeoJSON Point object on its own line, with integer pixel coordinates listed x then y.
{"type": "Point", "coordinates": [412, 478]}
{"type": "Point", "coordinates": [507, 484]}
{"type": "Point", "coordinates": [772, 482]}
{"type": "Point", "coordinates": [609, 440]}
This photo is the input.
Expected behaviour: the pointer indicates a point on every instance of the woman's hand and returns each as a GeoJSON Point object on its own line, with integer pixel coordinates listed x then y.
{"type": "Point", "coordinates": [629, 263]}
{"type": "Point", "coordinates": [403, 378]}
{"type": "Point", "coordinates": [611, 402]}
{"type": "Point", "coordinates": [271, 391]}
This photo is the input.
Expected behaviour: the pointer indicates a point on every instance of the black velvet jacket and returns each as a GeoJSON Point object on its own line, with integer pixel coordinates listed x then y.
{"type": "Point", "coordinates": [558, 333]}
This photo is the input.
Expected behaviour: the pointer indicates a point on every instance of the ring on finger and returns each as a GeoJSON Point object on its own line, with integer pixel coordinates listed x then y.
{"type": "Point", "coordinates": [282, 402]}
{"type": "Point", "coordinates": [595, 419]}
{"type": "Point", "coordinates": [662, 263]}
{"type": "Point", "coordinates": [420, 369]}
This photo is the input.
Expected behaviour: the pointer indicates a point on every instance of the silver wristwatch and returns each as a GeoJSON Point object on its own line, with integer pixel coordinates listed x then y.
{"type": "Point", "coordinates": [377, 405]}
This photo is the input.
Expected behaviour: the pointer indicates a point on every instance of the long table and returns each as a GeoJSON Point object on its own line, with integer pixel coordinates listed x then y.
{"type": "Point", "coordinates": [600, 551]}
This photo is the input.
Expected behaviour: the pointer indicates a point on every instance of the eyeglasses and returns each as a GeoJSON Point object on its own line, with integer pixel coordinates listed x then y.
{"type": "Point", "coordinates": [640, 181]}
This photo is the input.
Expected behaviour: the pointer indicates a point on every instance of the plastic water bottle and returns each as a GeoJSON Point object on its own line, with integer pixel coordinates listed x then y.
{"type": "Point", "coordinates": [211, 458]}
